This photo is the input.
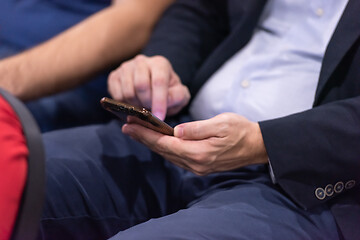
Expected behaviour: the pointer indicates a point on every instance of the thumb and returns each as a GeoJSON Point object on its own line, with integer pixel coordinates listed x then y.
{"type": "Point", "coordinates": [197, 130]}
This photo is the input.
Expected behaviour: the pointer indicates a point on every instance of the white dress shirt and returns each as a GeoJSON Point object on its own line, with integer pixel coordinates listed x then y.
{"type": "Point", "coordinates": [277, 72]}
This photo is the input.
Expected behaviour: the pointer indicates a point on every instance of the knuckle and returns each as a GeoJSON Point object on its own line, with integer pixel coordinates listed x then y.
{"type": "Point", "coordinates": [161, 61]}
{"type": "Point", "coordinates": [140, 59]}
{"type": "Point", "coordinates": [112, 75]}
{"type": "Point", "coordinates": [225, 117]}
{"type": "Point", "coordinates": [124, 65]}
{"type": "Point", "coordinates": [200, 158]}
{"type": "Point", "coordinates": [195, 129]}
{"type": "Point", "coordinates": [159, 58]}
{"type": "Point", "coordinates": [224, 128]}
{"type": "Point", "coordinates": [167, 148]}
{"type": "Point", "coordinates": [211, 158]}
{"type": "Point", "coordinates": [225, 123]}
{"type": "Point", "coordinates": [199, 170]}
{"type": "Point", "coordinates": [161, 149]}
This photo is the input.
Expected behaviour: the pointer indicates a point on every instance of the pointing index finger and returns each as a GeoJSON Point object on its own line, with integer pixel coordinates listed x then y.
{"type": "Point", "coordinates": [160, 77]}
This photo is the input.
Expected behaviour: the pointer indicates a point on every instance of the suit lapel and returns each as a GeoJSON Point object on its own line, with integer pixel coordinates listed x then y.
{"type": "Point", "coordinates": [239, 36]}
{"type": "Point", "coordinates": [345, 35]}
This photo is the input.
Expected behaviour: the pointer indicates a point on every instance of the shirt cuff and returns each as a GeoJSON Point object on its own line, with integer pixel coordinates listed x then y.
{"type": "Point", "coordinates": [271, 171]}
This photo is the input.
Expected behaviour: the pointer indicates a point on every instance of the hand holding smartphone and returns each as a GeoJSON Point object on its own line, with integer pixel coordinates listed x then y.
{"type": "Point", "coordinates": [143, 116]}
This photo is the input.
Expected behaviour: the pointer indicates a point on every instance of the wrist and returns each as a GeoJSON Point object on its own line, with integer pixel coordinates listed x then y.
{"type": "Point", "coordinates": [259, 154]}
{"type": "Point", "coordinates": [7, 73]}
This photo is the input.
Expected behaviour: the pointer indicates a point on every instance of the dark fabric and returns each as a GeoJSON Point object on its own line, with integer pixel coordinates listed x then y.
{"type": "Point", "coordinates": [75, 107]}
{"type": "Point", "coordinates": [100, 182]}
{"type": "Point", "coordinates": [222, 28]}
{"type": "Point", "coordinates": [316, 148]}
{"type": "Point", "coordinates": [307, 150]}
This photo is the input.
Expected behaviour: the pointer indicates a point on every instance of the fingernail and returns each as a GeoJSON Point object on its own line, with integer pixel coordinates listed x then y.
{"type": "Point", "coordinates": [126, 129]}
{"type": "Point", "coordinates": [178, 131]}
{"type": "Point", "coordinates": [159, 115]}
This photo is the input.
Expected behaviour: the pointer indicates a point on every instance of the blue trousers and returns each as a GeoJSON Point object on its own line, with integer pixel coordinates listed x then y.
{"type": "Point", "coordinates": [75, 107]}
{"type": "Point", "coordinates": [101, 185]}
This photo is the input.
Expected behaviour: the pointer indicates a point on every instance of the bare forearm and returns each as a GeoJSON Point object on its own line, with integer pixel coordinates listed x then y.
{"type": "Point", "coordinates": [70, 58]}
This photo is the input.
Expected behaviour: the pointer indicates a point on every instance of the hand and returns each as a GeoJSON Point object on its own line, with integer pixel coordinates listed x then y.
{"type": "Point", "coordinates": [149, 82]}
{"type": "Point", "coordinates": [225, 142]}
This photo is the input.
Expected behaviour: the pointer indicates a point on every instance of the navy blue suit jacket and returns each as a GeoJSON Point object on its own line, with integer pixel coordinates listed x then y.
{"type": "Point", "coordinates": [310, 151]}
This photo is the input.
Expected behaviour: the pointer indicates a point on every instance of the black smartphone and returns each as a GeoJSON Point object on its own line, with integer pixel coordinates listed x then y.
{"type": "Point", "coordinates": [143, 116]}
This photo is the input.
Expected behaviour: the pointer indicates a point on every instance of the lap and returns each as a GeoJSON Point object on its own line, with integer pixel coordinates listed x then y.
{"type": "Point", "coordinates": [75, 107]}
{"type": "Point", "coordinates": [101, 183]}
{"type": "Point", "coordinates": [247, 211]}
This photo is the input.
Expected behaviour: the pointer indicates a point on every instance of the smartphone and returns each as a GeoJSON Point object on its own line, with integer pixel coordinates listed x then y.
{"type": "Point", "coordinates": [142, 116]}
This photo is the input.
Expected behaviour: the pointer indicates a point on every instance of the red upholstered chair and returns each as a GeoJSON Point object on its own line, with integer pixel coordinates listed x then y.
{"type": "Point", "coordinates": [22, 174]}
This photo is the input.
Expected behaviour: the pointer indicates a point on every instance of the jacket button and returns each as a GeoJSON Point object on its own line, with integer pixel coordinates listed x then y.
{"type": "Point", "coordinates": [339, 187]}
{"type": "Point", "coordinates": [329, 190]}
{"type": "Point", "coordinates": [320, 193]}
{"type": "Point", "coordinates": [350, 184]}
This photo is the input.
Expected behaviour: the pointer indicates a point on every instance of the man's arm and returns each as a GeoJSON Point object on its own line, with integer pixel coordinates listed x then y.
{"type": "Point", "coordinates": [315, 154]}
{"type": "Point", "coordinates": [73, 56]}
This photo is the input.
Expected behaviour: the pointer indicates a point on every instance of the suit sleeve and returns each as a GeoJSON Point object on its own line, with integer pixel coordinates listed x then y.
{"type": "Point", "coordinates": [187, 33]}
{"type": "Point", "coordinates": [315, 155]}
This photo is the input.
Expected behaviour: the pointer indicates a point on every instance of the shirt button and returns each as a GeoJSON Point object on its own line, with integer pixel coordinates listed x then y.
{"type": "Point", "coordinates": [319, 12]}
{"type": "Point", "coordinates": [245, 83]}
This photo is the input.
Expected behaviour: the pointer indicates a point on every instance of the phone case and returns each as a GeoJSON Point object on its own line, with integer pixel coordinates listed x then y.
{"type": "Point", "coordinates": [144, 117]}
